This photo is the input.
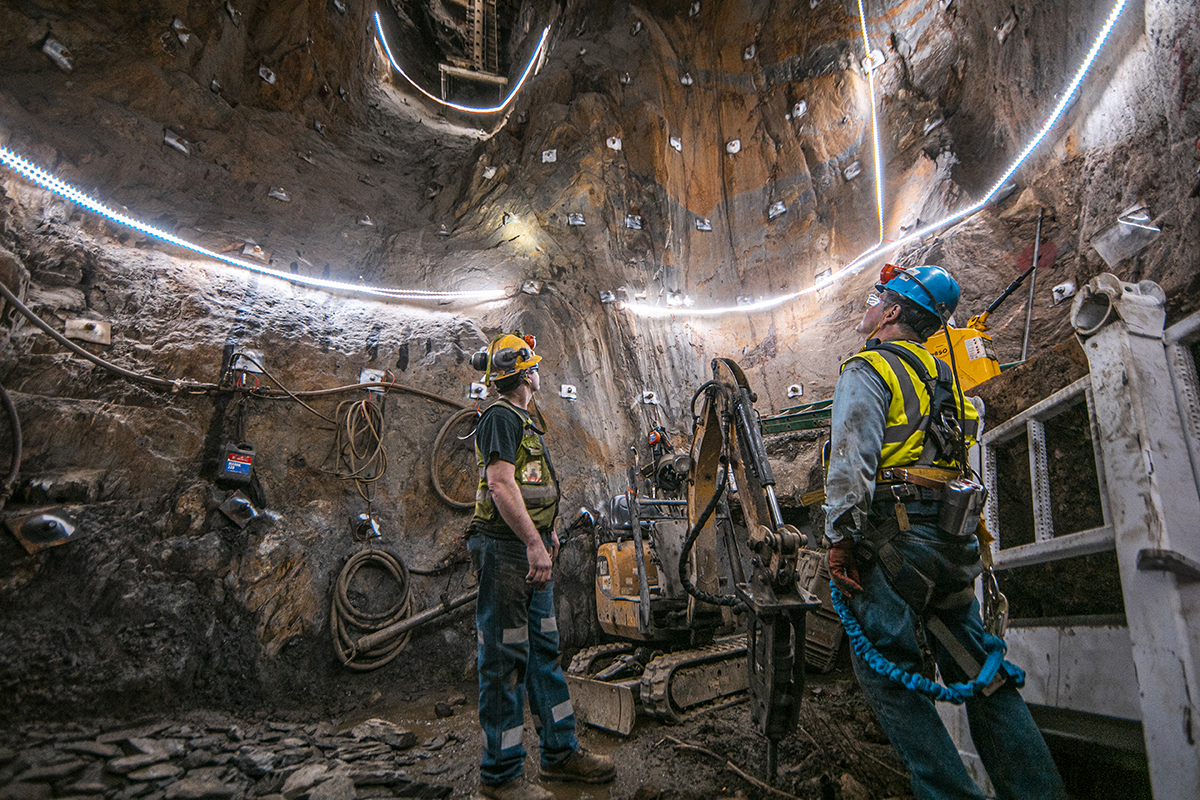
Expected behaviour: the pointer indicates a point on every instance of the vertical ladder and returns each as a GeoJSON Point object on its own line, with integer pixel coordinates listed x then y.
{"type": "Point", "coordinates": [491, 53]}
{"type": "Point", "coordinates": [1143, 406]}
{"type": "Point", "coordinates": [476, 20]}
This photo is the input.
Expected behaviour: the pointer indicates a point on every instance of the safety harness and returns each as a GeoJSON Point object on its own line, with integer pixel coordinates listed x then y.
{"type": "Point", "coordinates": [944, 445]}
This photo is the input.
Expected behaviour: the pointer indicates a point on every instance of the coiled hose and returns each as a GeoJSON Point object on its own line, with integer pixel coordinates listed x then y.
{"type": "Point", "coordinates": [348, 624]}
{"type": "Point", "coordinates": [690, 541]}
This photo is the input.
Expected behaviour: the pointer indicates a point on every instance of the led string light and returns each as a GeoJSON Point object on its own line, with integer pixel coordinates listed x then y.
{"type": "Point", "coordinates": [533, 60]}
{"type": "Point", "coordinates": [878, 250]}
{"type": "Point", "coordinates": [862, 19]}
{"type": "Point", "coordinates": [44, 179]}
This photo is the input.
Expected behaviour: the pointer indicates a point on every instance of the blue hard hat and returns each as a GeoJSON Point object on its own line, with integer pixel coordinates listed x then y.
{"type": "Point", "coordinates": [930, 287]}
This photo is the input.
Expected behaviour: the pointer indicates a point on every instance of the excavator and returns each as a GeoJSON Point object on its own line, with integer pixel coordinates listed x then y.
{"type": "Point", "coordinates": [709, 611]}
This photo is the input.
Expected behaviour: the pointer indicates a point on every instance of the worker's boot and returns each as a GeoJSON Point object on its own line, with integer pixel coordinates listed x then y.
{"type": "Point", "coordinates": [517, 789]}
{"type": "Point", "coordinates": [583, 767]}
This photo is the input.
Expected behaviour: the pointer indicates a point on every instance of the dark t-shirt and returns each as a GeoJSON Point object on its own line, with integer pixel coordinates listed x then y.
{"type": "Point", "coordinates": [499, 434]}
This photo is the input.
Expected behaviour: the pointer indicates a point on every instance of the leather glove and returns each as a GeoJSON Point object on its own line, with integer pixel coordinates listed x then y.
{"type": "Point", "coordinates": [844, 568]}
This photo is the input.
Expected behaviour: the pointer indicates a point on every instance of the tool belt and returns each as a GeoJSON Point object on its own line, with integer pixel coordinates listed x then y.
{"type": "Point", "coordinates": [926, 477]}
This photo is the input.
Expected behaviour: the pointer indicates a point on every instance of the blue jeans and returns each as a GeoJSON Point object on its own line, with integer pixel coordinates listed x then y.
{"type": "Point", "coordinates": [1006, 738]}
{"type": "Point", "coordinates": [518, 653]}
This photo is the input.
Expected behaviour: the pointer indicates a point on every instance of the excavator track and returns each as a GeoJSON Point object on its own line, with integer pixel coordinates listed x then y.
{"type": "Point", "coordinates": [581, 664]}
{"type": "Point", "coordinates": [678, 686]}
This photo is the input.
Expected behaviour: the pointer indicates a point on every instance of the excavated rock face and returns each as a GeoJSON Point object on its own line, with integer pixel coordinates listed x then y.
{"type": "Point", "coordinates": [751, 117]}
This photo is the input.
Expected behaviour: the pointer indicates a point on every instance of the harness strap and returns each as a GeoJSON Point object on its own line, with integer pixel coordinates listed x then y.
{"type": "Point", "coordinates": [972, 668]}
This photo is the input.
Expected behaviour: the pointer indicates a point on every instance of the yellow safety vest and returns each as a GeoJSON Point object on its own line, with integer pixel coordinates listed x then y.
{"type": "Point", "coordinates": [904, 441]}
{"type": "Point", "coordinates": [534, 475]}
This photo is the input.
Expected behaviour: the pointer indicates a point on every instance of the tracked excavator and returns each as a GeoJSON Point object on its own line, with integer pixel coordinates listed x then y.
{"type": "Point", "coordinates": [709, 611]}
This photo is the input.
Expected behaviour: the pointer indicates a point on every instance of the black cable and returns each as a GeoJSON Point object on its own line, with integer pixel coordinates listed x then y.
{"type": "Point", "coordinates": [703, 386]}
{"type": "Point", "coordinates": [175, 386]}
{"type": "Point", "coordinates": [690, 541]}
{"type": "Point", "coordinates": [7, 487]}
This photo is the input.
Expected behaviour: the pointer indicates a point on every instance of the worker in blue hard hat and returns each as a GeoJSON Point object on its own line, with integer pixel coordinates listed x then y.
{"type": "Point", "coordinates": [901, 514]}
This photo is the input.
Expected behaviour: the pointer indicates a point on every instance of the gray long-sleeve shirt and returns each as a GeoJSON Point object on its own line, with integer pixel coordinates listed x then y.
{"type": "Point", "coordinates": [859, 416]}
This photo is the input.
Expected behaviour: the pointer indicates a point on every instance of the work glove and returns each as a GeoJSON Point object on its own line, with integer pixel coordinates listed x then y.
{"type": "Point", "coordinates": [844, 568]}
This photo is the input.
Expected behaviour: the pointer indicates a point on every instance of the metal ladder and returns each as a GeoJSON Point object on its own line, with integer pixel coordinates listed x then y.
{"type": "Point", "coordinates": [1143, 409]}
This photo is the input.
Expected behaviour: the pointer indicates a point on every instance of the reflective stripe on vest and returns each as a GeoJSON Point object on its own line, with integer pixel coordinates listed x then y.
{"type": "Point", "coordinates": [534, 476]}
{"type": "Point", "coordinates": [908, 410]}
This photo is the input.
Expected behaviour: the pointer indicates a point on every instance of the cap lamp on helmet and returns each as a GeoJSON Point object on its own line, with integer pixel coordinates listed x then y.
{"type": "Point", "coordinates": [929, 287]}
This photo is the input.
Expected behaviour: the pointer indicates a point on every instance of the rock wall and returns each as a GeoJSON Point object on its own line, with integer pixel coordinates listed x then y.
{"type": "Point", "coordinates": [166, 601]}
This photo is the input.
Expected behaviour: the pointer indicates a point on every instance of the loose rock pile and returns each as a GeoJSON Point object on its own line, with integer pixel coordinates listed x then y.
{"type": "Point", "coordinates": [215, 759]}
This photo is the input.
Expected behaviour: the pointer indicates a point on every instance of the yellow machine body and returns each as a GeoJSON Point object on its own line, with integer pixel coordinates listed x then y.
{"type": "Point", "coordinates": [974, 354]}
{"type": "Point", "coordinates": [617, 599]}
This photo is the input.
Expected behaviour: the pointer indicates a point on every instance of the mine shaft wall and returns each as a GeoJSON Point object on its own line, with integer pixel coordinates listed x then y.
{"type": "Point", "coordinates": [164, 601]}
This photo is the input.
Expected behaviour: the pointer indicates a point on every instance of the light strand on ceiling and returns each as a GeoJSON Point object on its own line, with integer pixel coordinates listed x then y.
{"type": "Point", "coordinates": [35, 174]}
{"type": "Point", "coordinates": [876, 251]}
{"type": "Point", "coordinates": [537, 52]}
{"type": "Point", "coordinates": [862, 19]}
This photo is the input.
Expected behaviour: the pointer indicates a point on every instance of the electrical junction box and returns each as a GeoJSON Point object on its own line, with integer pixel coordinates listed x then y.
{"type": "Point", "coordinates": [237, 463]}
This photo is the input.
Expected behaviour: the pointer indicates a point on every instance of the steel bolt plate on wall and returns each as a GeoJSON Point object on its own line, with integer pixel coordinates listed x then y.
{"type": "Point", "coordinates": [372, 376]}
{"type": "Point", "coordinates": [86, 330]}
{"type": "Point", "coordinates": [246, 360]}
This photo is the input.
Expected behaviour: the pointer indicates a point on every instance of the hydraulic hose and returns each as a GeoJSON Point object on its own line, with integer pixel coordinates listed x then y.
{"type": "Point", "coordinates": [7, 487]}
{"type": "Point", "coordinates": [348, 624]}
{"type": "Point", "coordinates": [690, 541]}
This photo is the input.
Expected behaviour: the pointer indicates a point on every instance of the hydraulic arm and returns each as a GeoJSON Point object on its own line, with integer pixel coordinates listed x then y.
{"type": "Point", "coordinates": [728, 444]}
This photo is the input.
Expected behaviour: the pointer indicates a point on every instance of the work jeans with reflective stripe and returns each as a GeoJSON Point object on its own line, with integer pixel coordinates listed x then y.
{"type": "Point", "coordinates": [1005, 736]}
{"type": "Point", "coordinates": [518, 653]}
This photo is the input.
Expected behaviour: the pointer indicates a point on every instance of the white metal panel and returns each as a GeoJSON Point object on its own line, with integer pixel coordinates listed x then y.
{"type": "Point", "coordinates": [1083, 668]}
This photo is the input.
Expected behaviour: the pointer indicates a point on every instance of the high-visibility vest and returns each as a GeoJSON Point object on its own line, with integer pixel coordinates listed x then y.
{"type": "Point", "coordinates": [534, 475]}
{"type": "Point", "coordinates": [904, 438]}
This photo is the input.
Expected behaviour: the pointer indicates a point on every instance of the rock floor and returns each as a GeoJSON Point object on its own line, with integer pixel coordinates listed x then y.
{"type": "Point", "coordinates": [429, 749]}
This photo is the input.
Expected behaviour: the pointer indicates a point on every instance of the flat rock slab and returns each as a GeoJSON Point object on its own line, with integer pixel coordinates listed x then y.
{"type": "Point", "coordinates": [96, 748]}
{"type": "Point", "coordinates": [123, 735]}
{"type": "Point", "coordinates": [50, 772]}
{"type": "Point", "coordinates": [304, 779]}
{"type": "Point", "coordinates": [156, 772]}
{"type": "Point", "coordinates": [339, 787]}
{"type": "Point", "coordinates": [127, 764]}
{"type": "Point", "coordinates": [199, 788]}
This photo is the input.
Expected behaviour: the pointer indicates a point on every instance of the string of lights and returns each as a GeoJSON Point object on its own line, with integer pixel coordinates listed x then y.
{"type": "Point", "coordinates": [533, 60]}
{"type": "Point", "coordinates": [881, 249]}
{"type": "Point", "coordinates": [44, 179]}
{"type": "Point", "coordinates": [878, 160]}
